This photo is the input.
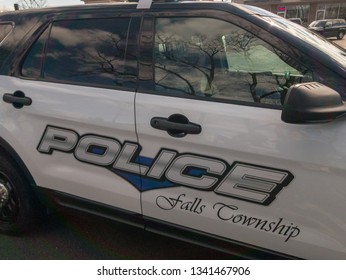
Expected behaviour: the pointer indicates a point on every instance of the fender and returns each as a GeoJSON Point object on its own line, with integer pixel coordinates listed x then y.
{"type": "Point", "coordinates": [7, 149]}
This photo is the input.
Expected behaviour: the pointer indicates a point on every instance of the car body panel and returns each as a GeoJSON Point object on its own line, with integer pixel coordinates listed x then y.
{"type": "Point", "coordinates": [80, 110]}
{"type": "Point", "coordinates": [243, 176]}
{"type": "Point", "coordinates": [254, 136]}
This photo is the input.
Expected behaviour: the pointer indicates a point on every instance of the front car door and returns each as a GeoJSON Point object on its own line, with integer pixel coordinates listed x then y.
{"type": "Point", "coordinates": [82, 83]}
{"type": "Point", "coordinates": [216, 158]}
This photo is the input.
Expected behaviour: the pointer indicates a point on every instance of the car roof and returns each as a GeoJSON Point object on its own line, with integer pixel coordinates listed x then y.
{"type": "Point", "coordinates": [331, 19]}
{"type": "Point", "coordinates": [131, 6]}
{"type": "Point", "coordinates": [105, 6]}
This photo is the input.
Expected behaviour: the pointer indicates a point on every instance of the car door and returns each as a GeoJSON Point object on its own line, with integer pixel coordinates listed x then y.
{"type": "Point", "coordinates": [329, 29]}
{"type": "Point", "coordinates": [80, 82]}
{"type": "Point", "coordinates": [216, 157]}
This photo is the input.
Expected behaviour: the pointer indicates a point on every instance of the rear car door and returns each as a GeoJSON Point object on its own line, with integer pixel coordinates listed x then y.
{"type": "Point", "coordinates": [216, 157]}
{"type": "Point", "coordinates": [79, 82]}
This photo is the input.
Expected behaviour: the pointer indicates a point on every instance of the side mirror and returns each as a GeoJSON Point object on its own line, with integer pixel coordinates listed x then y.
{"type": "Point", "coordinates": [312, 103]}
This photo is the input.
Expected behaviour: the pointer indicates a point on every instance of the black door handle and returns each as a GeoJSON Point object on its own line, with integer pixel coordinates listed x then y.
{"type": "Point", "coordinates": [176, 125]}
{"type": "Point", "coordinates": [17, 99]}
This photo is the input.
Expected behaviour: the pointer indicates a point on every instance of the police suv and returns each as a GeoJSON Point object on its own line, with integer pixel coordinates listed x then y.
{"type": "Point", "coordinates": [218, 123]}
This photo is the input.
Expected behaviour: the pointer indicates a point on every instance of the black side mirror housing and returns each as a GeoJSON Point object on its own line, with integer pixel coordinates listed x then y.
{"type": "Point", "coordinates": [312, 103]}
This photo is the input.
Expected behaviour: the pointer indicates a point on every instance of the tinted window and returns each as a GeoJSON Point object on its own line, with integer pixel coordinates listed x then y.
{"type": "Point", "coordinates": [317, 24]}
{"type": "Point", "coordinates": [5, 29]}
{"type": "Point", "coordinates": [339, 22]}
{"type": "Point", "coordinates": [328, 24]}
{"type": "Point", "coordinates": [214, 59]}
{"type": "Point", "coordinates": [90, 51]}
{"type": "Point", "coordinates": [33, 63]}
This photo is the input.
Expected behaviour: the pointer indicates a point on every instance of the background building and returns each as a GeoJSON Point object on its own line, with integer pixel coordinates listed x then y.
{"type": "Point", "coordinates": [307, 10]}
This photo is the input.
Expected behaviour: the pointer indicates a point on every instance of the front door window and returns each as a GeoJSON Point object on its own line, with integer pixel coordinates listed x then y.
{"type": "Point", "coordinates": [229, 64]}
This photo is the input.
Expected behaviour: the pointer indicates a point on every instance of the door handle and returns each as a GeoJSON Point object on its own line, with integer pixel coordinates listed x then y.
{"type": "Point", "coordinates": [17, 99]}
{"type": "Point", "coordinates": [176, 125]}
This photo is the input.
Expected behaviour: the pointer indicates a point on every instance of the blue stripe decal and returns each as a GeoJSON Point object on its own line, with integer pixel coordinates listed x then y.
{"type": "Point", "coordinates": [143, 184]}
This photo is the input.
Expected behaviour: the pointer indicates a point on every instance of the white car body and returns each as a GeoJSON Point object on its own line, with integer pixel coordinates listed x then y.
{"type": "Point", "coordinates": [247, 177]}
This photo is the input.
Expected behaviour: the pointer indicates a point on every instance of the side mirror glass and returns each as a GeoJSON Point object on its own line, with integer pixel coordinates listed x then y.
{"type": "Point", "coordinates": [312, 103]}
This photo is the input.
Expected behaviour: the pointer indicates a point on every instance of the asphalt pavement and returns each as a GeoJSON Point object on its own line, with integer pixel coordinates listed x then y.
{"type": "Point", "coordinates": [341, 43]}
{"type": "Point", "coordinates": [69, 235]}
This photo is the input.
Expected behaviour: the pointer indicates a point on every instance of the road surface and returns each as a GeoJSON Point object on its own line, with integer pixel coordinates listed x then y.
{"type": "Point", "coordinates": [72, 236]}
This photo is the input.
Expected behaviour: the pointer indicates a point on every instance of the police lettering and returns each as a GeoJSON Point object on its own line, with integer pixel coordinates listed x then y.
{"type": "Point", "coordinates": [243, 181]}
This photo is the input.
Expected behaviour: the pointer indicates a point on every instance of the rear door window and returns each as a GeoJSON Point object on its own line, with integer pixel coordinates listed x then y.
{"type": "Point", "coordinates": [85, 52]}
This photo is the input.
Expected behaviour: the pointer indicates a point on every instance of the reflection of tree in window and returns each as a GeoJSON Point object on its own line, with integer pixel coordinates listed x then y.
{"type": "Point", "coordinates": [88, 51]}
{"type": "Point", "coordinates": [213, 58]}
{"type": "Point", "coordinates": [178, 57]}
